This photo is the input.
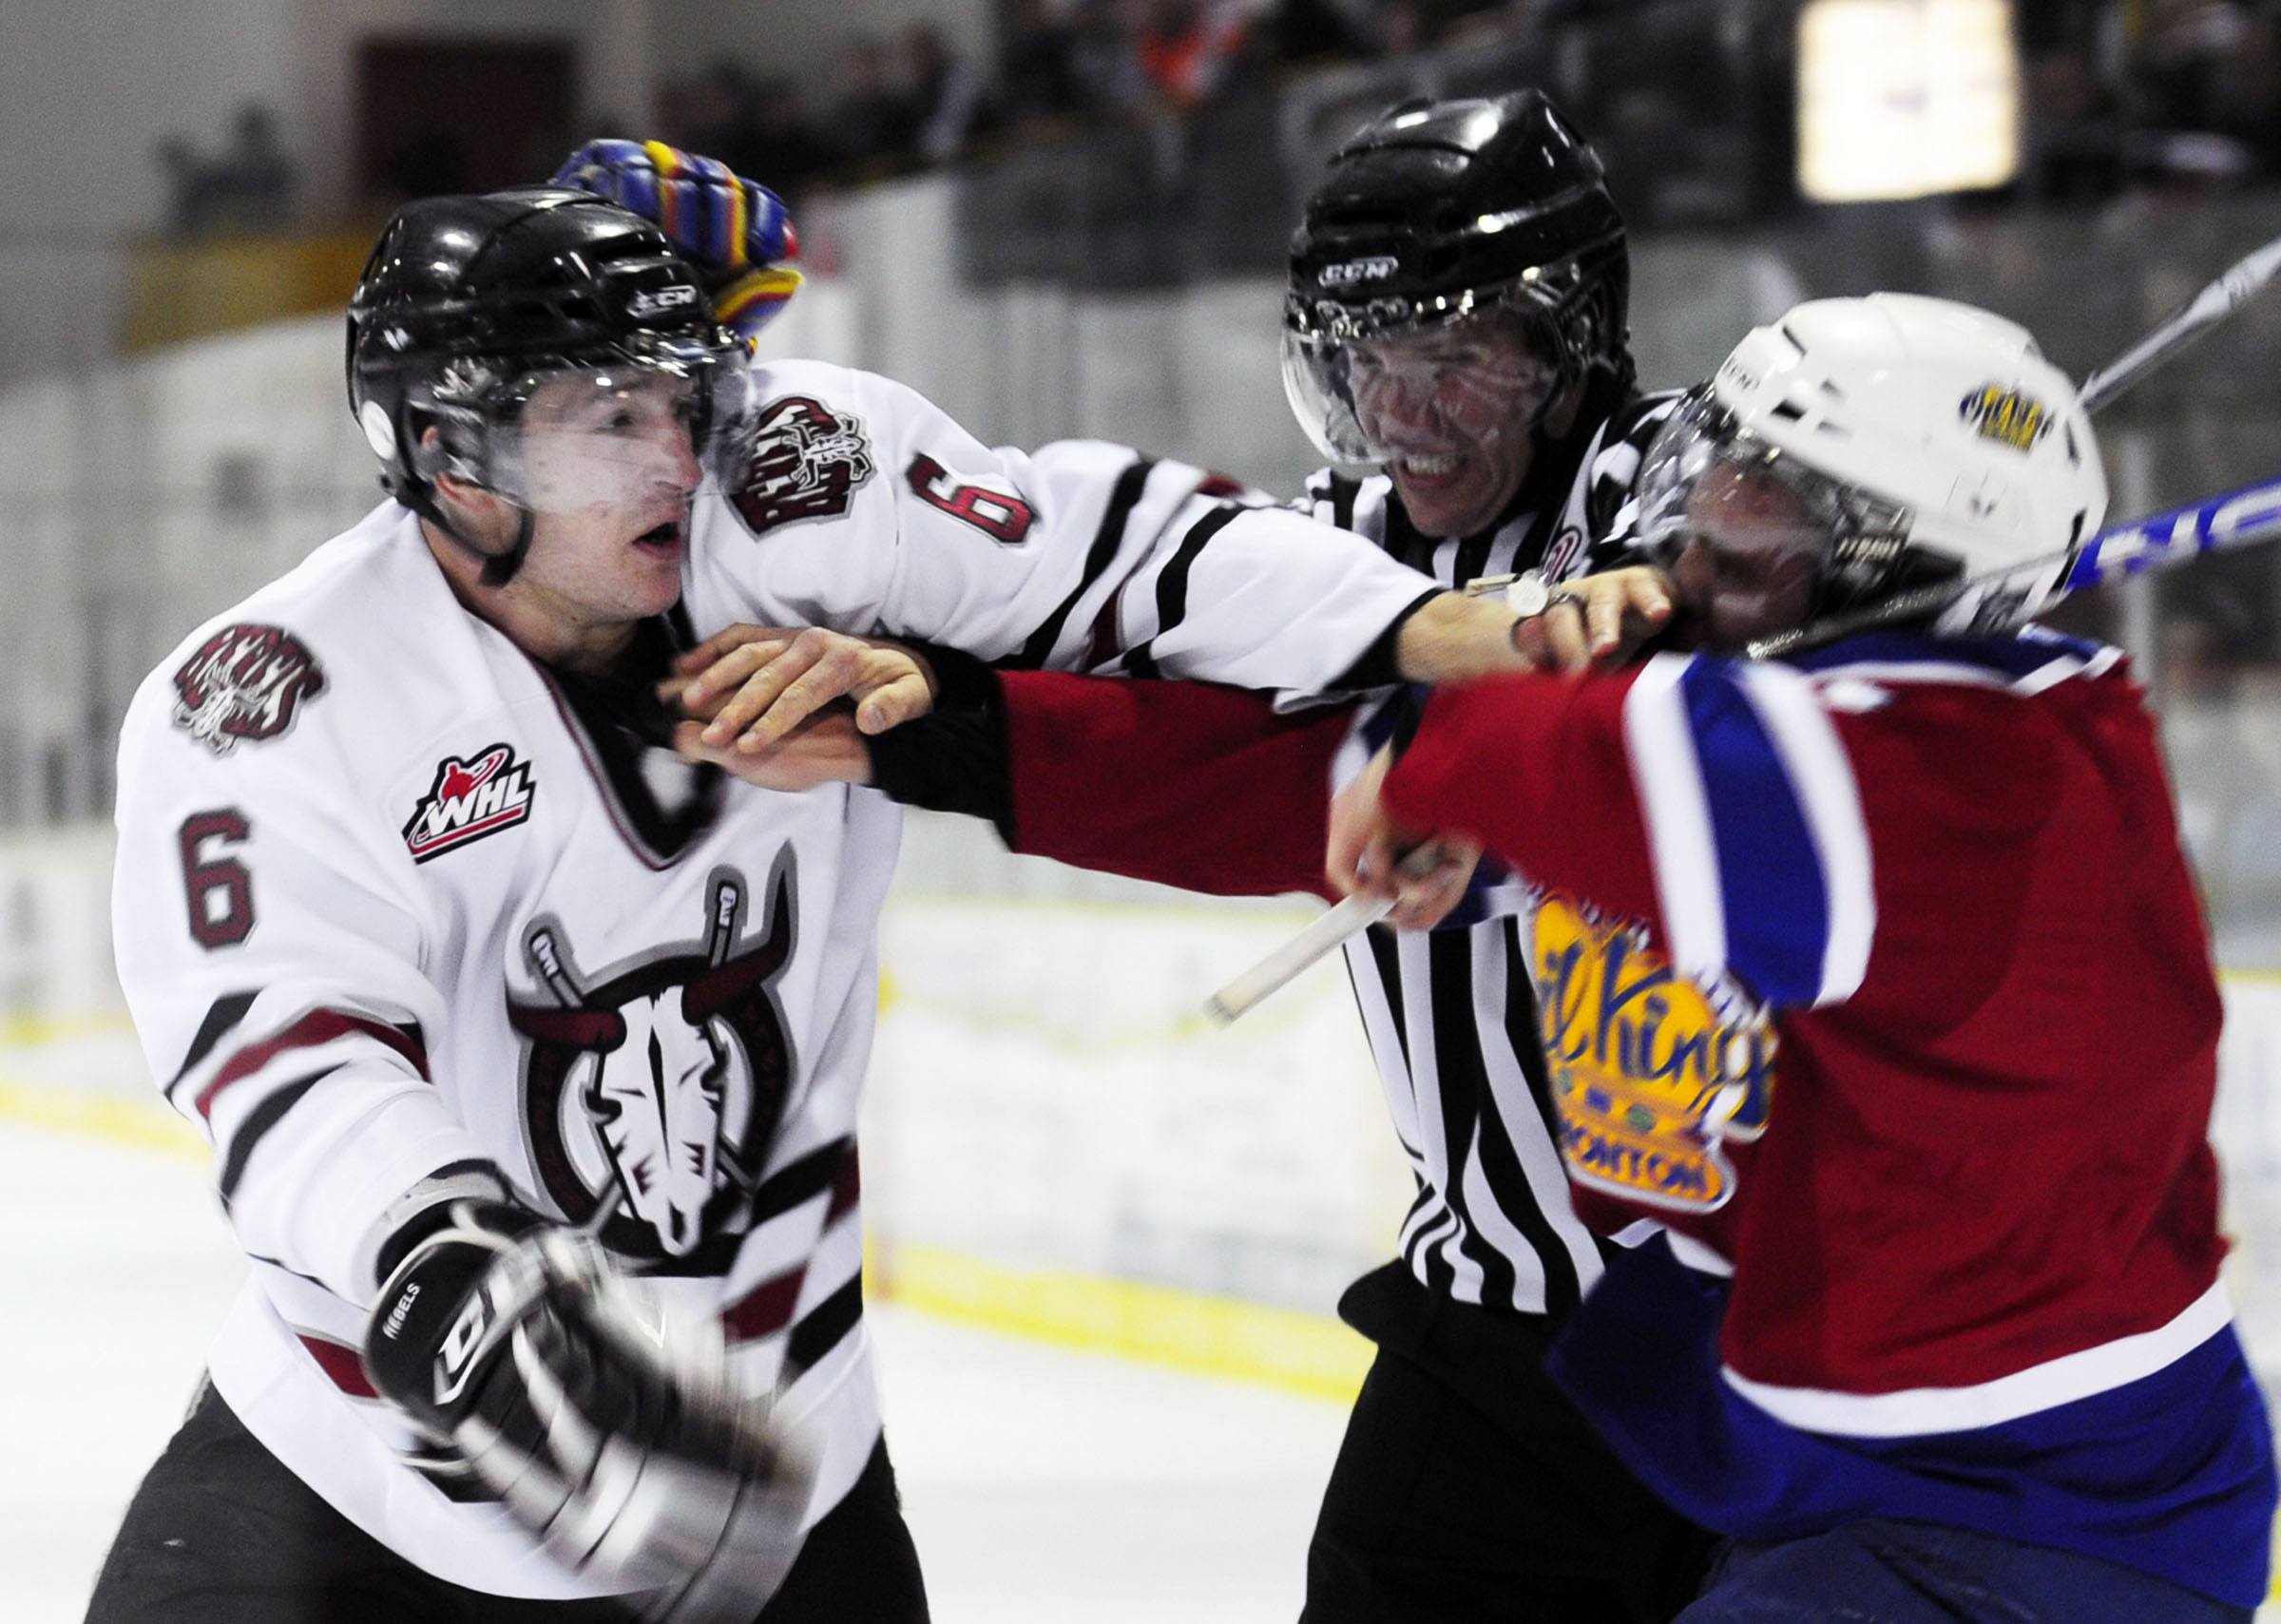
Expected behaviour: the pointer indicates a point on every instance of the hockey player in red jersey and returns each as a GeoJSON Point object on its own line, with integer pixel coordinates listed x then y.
{"type": "Point", "coordinates": [1881, 1014]}
{"type": "Point", "coordinates": [489, 1005]}
{"type": "Point", "coordinates": [1875, 977]}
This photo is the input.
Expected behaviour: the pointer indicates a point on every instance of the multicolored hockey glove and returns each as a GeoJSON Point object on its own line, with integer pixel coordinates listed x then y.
{"type": "Point", "coordinates": [613, 1432]}
{"type": "Point", "coordinates": [735, 231]}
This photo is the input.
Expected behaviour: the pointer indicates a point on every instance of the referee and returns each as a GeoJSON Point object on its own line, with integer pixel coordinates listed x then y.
{"type": "Point", "coordinates": [1456, 317]}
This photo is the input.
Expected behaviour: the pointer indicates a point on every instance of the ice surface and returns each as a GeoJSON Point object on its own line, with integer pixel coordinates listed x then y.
{"type": "Point", "coordinates": [1040, 1485]}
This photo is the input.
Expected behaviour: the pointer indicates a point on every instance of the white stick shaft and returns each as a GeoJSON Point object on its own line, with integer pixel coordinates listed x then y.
{"type": "Point", "coordinates": [1277, 969]}
{"type": "Point", "coordinates": [2238, 284]}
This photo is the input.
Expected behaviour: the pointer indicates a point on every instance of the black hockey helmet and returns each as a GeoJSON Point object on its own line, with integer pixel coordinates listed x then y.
{"type": "Point", "coordinates": [1436, 211]}
{"type": "Point", "coordinates": [468, 303]}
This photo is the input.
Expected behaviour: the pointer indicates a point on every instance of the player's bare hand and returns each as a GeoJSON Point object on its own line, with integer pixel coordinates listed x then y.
{"type": "Point", "coordinates": [750, 686]}
{"type": "Point", "coordinates": [1371, 854]}
{"type": "Point", "coordinates": [825, 749]}
{"type": "Point", "coordinates": [1598, 619]}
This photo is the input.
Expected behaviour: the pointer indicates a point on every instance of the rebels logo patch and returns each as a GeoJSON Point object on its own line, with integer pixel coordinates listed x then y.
{"type": "Point", "coordinates": [469, 799]}
{"type": "Point", "coordinates": [244, 682]}
{"type": "Point", "coordinates": [806, 463]}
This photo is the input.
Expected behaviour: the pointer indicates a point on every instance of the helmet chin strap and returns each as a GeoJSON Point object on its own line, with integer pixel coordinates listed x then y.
{"type": "Point", "coordinates": [498, 567]}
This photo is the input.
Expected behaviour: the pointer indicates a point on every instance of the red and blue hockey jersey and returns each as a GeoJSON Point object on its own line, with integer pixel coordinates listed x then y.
{"type": "Point", "coordinates": [1877, 981]}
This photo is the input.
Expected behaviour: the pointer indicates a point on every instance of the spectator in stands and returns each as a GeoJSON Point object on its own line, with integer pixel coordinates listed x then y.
{"type": "Point", "coordinates": [248, 185]}
{"type": "Point", "coordinates": [763, 122]}
{"type": "Point", "coordinates": [789, 151]}
{"type": "Point", "coordinates": [1311, 31]}
{"type": "Point", "coordinates": [1398, 28]}
{"type": "Point", "coordinates": [255, 174]}
{"type": "Point", "coordinates": [718, 111]}
{"type": "Point", "coordinates": [944, 93]}
{"type": "Point", "coordinates": [870, 122]}
{"type": "Point", "coordinates": [1192, 50]}
{"type": "Point", "coordinates": [2074, 136]}
{"type": "Point", "coordinates": [1104, 52]}
{"type": "Point", "coordinates": [2185, 49]}
{"type": "Point", "coordinates": [1037, 64]}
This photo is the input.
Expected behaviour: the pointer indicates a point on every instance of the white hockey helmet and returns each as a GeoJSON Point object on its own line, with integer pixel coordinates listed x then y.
{"type": "Point", "coordinates": [1915, 440]}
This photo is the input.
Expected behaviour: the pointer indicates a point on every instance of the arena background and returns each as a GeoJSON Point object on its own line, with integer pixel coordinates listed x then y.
{"type": "Point", "coordinates": [1057, 1145]}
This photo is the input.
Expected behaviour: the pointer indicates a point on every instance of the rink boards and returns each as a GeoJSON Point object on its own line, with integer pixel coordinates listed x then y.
{"type": "Point", "coordinates": [1056, 1141]}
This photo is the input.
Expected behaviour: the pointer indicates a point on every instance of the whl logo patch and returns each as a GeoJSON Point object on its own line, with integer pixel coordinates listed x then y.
{"type": "Point", "coordinates": [481, 795]}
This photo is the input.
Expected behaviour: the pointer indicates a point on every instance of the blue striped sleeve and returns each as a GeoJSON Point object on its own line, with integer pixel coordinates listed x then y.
{"type": "Point", "coordinates": [1755, 827]}
{"type": "Point", "coordinates": [1769, 878]}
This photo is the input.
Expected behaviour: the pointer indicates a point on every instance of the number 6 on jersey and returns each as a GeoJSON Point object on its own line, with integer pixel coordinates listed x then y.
{"type": "Point", "coordinates": [220, 892]}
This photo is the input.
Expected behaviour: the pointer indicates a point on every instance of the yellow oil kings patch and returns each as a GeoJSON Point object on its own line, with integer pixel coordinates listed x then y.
{"type": "Point", "coordinates": [2008, 415]}
{"type": "Point", "coordinates": [1647, 1078]}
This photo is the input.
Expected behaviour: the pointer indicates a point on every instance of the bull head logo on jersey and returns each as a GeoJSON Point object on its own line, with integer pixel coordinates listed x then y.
{"type": "Point", "coordinates": [807, 462]}
{"type": "Point", "coordinates": [243, 683]}
{"type": "Point", "coordinates": [657, 1091]}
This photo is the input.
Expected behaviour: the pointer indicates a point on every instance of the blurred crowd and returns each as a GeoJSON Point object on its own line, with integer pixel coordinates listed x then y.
{"type": "Point", "coordinates": [912, 99]}
{"type": "Point", "coordinates": [1690, 99]}
{"type": "Point", "coordinates": [2122, 93]}
{"type": "Point", "coordinates": [2119, 93]}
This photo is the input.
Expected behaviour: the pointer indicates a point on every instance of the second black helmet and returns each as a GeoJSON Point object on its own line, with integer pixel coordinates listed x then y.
{"type": "Point", "coordinates": [1435, 211]}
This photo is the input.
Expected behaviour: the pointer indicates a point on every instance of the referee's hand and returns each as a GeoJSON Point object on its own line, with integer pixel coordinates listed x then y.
{"type": "Point", "coordinates": [1597, 620]}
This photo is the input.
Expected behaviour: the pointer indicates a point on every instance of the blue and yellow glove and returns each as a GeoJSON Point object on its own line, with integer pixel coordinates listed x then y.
{"type": "Point", "coordinates": [735, 231]}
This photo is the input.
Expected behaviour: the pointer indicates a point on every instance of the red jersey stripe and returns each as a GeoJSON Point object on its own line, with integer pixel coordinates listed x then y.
{"type": "Point", "coordinates": [317, 1027]}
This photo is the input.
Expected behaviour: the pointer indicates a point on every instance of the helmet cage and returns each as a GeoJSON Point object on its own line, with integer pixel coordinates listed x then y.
{"type": "Point", "coordinates": [1564, 324]}
{"type": "Point", "coordinates": [476, 405]}
{"type": "Point", "coordinates": [1869, 546]}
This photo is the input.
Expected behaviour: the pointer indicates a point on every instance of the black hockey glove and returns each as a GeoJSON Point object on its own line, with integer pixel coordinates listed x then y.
{"type": "Point", "coordinates": [612, 1432]}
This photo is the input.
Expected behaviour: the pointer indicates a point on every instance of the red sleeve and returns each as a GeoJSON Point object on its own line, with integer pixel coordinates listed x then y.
{"type": "Point", "coordinates": [1903, 845]}
{"type": "Point", "coordinates": [1184, 783]}
{"type": "Point", "coordinates": [1534, 768]}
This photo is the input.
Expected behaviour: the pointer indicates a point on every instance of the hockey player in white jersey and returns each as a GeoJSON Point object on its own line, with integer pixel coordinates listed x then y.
{"type": "Point", "coordinates": [516, 1038]}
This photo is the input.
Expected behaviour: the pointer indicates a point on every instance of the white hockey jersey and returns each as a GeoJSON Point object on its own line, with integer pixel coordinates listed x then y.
{"type": "Point", "coordinates": [397, 908]}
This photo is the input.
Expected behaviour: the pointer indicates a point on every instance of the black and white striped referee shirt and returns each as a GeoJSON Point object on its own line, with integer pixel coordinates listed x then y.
{"type": "Point", "coordinates": [1451, 1017]}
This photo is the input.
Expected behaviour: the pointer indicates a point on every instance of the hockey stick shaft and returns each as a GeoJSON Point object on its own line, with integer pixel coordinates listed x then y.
{"type": "Point", "coordinates": [1356, 914]}
{"type": "Point", "coordinates": [1347, 918]}
{"type": "Point", "coordinates": [2162, 541]}
{"type": "Point", "coordinates": [2240, 284]}
{"type": "Point", "coordinates": [1992, 603]}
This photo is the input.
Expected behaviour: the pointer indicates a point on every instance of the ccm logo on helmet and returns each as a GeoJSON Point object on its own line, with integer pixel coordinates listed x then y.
{"type": "Point", "coordinates": [660, 300]}
{"type": "Point", "coordinates": [1346, 274]}
{"type": "Point", "coordinates": [2007, 415]}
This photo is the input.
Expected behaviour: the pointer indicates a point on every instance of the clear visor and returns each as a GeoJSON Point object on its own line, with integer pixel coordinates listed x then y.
{"type": "Point", "coordinates": [647, 430]}
{"type": "Point", "coordinates": [1459, 385]}
{"type": "Point", "coordinates": [1756, 542]}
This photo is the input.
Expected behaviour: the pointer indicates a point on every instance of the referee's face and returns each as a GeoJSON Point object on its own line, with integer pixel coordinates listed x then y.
{"type": "Point", "coordinates": [1454, 407]}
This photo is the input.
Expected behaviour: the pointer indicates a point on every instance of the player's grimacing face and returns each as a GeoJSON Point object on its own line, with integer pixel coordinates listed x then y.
{"type": "Point", "coordinates": [1752, 560]}
{"type": "Point", "coordinates": [1455, 407]}
{"type": "Point", "coordinates": [609, 471]}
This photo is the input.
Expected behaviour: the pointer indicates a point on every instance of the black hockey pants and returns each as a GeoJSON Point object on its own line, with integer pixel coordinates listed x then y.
{"type": "Point", "coordinates": [1469, 1490]}
{"type": "Point", "coordinates": [222, 1533]}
